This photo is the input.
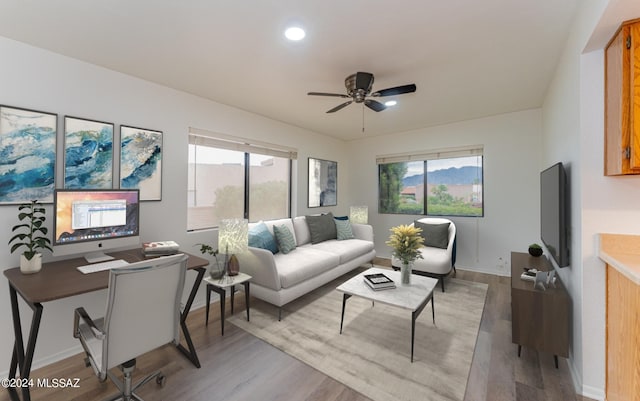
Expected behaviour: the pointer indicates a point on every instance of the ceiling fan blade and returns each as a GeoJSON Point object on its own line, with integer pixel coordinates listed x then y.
{"type": "Point", "coordinates": [326, 94]}
{"type": "Point", "coordinates": [340, 106]}
{"type": "Point", "coordinates": [364, 80]}
{"type": "Point", "coordinates": [398, 90]}
{"type": "Point", "coordinates": [373, 105]}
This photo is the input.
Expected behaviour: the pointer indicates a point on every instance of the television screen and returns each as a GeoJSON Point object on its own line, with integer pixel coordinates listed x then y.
{"type": "Point", "coordinates": [94, 216]}
{"type": "Point", "coordinates": [553, 213]}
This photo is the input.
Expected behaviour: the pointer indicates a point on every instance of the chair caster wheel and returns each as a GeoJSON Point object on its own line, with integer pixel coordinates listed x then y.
{"type": "Point", "coordinates": [161, 380]}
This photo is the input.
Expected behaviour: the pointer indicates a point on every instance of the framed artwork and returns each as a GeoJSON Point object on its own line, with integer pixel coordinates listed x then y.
{"type": "Point", "coordinates": [323, 183]}
{"type": "Point", "coordinates": [88, 154]}
{"type": "Point", "coordinates": [27, 155]}
{"type": "Point", "coordinates": [141, 161]}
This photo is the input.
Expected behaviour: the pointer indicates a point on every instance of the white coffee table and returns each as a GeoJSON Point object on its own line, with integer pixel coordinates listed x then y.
{"type": "Point", "coordinates": [413, 297]}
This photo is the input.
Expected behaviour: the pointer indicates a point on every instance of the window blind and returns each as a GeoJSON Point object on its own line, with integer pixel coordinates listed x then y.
{"type": "Point", "coordinates": [203, 137]}
{"type": "Point", "coordinates": [446, 153]}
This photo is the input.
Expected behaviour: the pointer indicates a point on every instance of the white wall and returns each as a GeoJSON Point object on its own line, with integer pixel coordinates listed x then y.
{"type": "Point", "coordinates": [573, 131]}
{"type": "Point", "coordinates": [41, 80]}
{"type": "Point", "coordinates": [511, 194]}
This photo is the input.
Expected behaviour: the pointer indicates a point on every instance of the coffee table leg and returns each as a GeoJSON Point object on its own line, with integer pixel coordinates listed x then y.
{"type": "Point", "coordinates": [344, 303]}
{"type": "Point", "coordinates": [433, 310]}
{"type": "Point", "coordinates": [414, 316]}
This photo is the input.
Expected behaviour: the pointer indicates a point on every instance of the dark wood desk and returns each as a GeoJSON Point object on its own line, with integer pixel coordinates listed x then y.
{"type": "Point", "coordinates": [61, 279]}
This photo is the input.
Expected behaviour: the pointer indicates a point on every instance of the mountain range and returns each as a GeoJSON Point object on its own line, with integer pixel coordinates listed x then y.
{"type": "Point", "coordinates": [451, 176]}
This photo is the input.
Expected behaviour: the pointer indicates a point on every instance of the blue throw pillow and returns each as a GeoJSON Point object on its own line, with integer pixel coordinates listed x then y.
{"type": "Point", "coordinates": [261, 237]}
{"type": "Point", "coordinates": [284, 237]}
{"type": "Point", "coordinates": [343, 229]}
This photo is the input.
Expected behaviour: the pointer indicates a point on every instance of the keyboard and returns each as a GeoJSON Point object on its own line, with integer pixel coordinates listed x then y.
{"type": "Point", "coordinates": [98, 267]}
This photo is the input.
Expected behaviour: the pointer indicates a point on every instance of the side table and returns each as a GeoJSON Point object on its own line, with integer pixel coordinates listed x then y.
{"type": "Point", "coordinates": [220, 286]}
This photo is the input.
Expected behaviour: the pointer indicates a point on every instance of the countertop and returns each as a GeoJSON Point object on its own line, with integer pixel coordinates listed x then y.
{"type": "Point", "coordinates": [622, 252]}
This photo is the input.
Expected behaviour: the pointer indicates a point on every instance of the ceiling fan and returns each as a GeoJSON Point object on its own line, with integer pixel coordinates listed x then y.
{"type": "Point", "coordinates": [359, 90]}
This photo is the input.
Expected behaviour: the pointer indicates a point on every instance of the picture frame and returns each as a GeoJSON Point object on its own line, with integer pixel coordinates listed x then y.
{"type": "Point", "coordinates": [323, 183]}
{"type": "Point", "coordinates": [88, 154]}
{"type": "Point", "coordinates": [28, 148]}
{"type": "Point", "coordinates": [141, 161]}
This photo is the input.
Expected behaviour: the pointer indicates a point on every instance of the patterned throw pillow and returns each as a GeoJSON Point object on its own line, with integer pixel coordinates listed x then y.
{"type": "Point", "coordinates": [284, 237]}
{"type": "Point", "coordinates": [261, 237]}
{"type": "Point", "coordinates": [343, 228]}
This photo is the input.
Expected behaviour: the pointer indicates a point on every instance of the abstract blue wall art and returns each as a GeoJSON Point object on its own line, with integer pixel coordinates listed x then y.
{"type": "Point", "coordinates": [88, 154]}
{"type": "Point", "coordinates": [27, 155]}
{"type": "Point", "coordinates": [141, 161]}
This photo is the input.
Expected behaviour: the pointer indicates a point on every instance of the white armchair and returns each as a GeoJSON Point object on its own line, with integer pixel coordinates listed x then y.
{"type": "Point", "coordinates": [438, 260]}
{"type": "Point", "coordinates": [143, 313]}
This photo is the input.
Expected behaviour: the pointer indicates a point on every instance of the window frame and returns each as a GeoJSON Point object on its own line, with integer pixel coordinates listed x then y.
{"type": "Point", "coordinates": [246, 146]}
{"type": "Point", "coordinates": [424, 157]}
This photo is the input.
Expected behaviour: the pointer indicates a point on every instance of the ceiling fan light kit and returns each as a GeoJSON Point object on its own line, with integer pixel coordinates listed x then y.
{"type": "Point", "coordinates": [359, 86]}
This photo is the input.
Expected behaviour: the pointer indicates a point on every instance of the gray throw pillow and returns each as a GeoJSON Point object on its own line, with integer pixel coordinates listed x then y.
{"type": "Point", "coordinates": [284, 237]}
{"type": "Point", "coordinates": [435, 235]}
{"type": "Point", "coordinates": [343, 228]}
{"type": "Point", "coordinates": [321, 227]}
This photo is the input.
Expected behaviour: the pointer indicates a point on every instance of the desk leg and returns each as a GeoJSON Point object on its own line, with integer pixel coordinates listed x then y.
{"type": "Point", "coordinates": [21, 359]}
{"type": "Point", "coordinates": [191, 352]}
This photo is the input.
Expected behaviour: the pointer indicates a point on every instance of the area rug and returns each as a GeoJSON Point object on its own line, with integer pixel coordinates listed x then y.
{"type": "Point", "coordinates": [372, 355]}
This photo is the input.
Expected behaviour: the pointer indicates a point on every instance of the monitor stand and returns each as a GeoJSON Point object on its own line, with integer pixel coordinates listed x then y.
{"type": "Point", "coordinates": [96, 257]}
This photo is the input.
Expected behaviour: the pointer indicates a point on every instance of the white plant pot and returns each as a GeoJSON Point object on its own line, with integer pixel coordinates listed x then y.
{"type": "Point", "coordinates": [31, 266]}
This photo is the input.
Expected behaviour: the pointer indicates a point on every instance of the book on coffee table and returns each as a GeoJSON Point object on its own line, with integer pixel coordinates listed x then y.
{"type": "Point", "coordinates": [379, 281]}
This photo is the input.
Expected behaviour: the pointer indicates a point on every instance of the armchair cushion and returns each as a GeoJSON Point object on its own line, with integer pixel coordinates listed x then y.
{"type": "Point", "coordinates": [435, 235]}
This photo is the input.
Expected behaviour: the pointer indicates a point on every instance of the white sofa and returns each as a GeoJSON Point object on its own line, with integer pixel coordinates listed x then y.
{"type": "Point", "coordinates": [280, 278]}
{"type": "Point", "coordinates": [436, 262]}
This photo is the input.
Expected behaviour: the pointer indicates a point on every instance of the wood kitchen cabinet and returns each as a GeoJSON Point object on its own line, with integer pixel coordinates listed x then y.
{"type": "Point", "coordinates": [622, 101]}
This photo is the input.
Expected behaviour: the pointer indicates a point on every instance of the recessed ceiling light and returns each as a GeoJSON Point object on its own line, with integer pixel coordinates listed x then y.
{"type": "Point", "coordinates": [294, 33]}
{"type": "Point", "coordinates": [390, 103]}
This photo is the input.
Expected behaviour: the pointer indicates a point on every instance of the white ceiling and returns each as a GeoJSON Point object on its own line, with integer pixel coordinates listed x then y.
{"type": "Point", "coordinates": [468, 58]}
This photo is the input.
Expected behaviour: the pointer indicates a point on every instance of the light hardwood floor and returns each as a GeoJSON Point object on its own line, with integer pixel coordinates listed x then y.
{"type": "Point", "coordinates": [238, 366]}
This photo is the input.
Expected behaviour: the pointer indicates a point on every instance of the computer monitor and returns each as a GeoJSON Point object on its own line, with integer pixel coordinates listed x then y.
{"type": "Point", "coordinates": [90, 222]}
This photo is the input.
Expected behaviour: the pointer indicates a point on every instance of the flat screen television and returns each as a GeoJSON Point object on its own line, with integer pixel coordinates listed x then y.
{"type": "Point", "coordinates": [90, 222]}
{"type": "Point", "coordinates": [554, 213]}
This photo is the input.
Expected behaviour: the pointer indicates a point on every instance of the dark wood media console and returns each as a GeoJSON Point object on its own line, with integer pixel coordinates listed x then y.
{"type": "Point", "coordinates": [539, 319]}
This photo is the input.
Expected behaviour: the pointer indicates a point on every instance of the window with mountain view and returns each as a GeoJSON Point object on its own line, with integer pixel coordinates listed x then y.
{"type": "Point", "coordinates": [435, 187]}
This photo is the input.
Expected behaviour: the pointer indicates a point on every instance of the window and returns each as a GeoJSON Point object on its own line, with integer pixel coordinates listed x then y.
{"type": "Point", "coordinates": [439, 183]}
{"type": "Point", "coordinates": [233, 178]}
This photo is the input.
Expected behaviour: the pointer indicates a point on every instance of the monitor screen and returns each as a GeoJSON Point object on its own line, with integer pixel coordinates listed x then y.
{"type": "Point", "coordinates": [89, 221]}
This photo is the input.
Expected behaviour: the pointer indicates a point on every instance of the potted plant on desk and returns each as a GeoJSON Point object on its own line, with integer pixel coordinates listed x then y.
{"type": "Point", "coordinates": [30, 234]}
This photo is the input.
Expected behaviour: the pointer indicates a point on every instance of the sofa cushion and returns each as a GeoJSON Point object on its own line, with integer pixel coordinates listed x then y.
{"type": "Point", "coordinates": [284, 238]}
{"type": "Point", "coordinates": [347, 250]}
{"type": "Point", "coordinates": [303, 263]}
{"type": "Point", "coordinates": [343, 229]}
{"type": "Point", "coordinates": [261, 237]}
{"type": "Point", "coordinates": [322, 227]}
{"type": "Point", "coordinates": [301, 230]}
{"type": "Point", "coordinates": [435, 235]}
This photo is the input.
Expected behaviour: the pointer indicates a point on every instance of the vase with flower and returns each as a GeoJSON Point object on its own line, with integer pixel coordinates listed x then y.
{"type": "Point", "coordinates": [406, 242]}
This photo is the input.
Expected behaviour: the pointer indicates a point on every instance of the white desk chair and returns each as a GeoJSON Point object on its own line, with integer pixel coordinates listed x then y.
{"type": "Point", "coordinates": [143, 313]}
